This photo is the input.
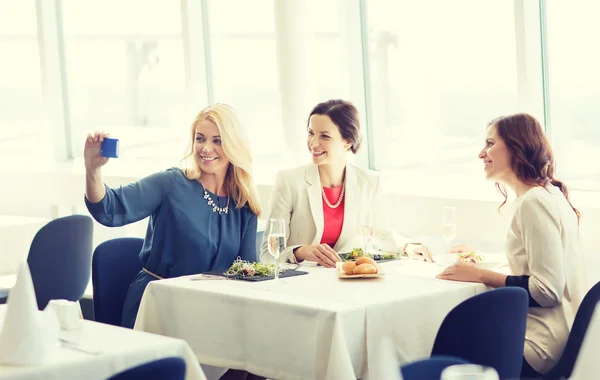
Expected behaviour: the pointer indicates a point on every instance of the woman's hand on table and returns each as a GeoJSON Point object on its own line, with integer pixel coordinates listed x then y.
{"type": "Point", "coordinates": [320, 253]}
{"type": "Point", "coordinates": [423, 253]}
{"type": "Point", "coordinates": [462, 272]}
{"type": "Point", "coordinates": [462, 248]}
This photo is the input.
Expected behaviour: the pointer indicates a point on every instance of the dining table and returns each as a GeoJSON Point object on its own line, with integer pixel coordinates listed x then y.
{"type": "Point", "coordinates": [97, 351]}
{"type": "Point", "coordinates": [314, 326]}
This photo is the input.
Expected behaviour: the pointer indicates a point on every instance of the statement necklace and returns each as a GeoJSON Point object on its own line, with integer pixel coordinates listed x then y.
{"type": "Point", "coordinates": [212, 204]}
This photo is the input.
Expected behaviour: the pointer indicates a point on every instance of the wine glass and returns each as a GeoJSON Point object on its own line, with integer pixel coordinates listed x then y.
{"type": "Point", "coordinates": [448, 228]}
{"type": "Point", "coordinates": [469, 372]}
{"type": "Point", "coordinates": [276, 241]}
{"type": "Point", "coordinates": [366, 229]}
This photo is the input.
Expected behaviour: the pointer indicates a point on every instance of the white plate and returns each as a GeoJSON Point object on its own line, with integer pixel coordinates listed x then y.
{"type": "Point", "coordinates": [341, 274]}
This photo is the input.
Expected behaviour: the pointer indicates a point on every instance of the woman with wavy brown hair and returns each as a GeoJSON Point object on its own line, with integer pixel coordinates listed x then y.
{"type": "Point", "coordinates": [543, 248]}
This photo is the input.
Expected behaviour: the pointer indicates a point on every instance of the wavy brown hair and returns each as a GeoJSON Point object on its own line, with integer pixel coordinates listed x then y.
{"type": "Point", "coordinates": [532, 159]}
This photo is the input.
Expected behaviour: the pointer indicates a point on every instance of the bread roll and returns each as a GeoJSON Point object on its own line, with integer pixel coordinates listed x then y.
{"type": "Point", "coordinates": [366, 260]}
{"type": "Point", "coordinates": [348, 267]}
{"type": "Point", "coordinates": [365, 269]}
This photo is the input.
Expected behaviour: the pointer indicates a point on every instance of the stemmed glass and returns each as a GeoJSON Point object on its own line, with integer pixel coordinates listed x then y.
{"type": "Point", "coordinates": [469, 372]}
{"type": "Point", "coordinates": [366, 229]}
{"type": "Point", "coordinates": [448, 227]}
{"type": "Point", "coordinates": [276, 241]}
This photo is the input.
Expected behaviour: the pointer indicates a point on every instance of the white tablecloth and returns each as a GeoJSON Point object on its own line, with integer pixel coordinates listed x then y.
{"type": "Point", "coordinates": [311, 326]}
{"type": "Point", "coordinates": [120, 349]}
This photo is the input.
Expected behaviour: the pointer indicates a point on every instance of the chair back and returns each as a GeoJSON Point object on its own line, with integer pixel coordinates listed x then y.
{"type": "Point", "coordinates": [564, 367]}
{"type": "Point", "coordinates": [115, 264]}
{"type": "Point", "coordinates": [430, 368]}
{"type": "Point", "coordinates": [487, 329]}
{"type": "Point", "coordinates": [161, 369]}
{"type": "Point", "coordinates": [60, 259]}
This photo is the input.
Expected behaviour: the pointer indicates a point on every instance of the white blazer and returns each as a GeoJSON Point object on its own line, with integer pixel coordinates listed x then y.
{"type": "Point", "coordinates": [297, 199]}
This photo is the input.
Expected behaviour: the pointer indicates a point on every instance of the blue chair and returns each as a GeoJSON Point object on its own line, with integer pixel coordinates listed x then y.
{"type": "Point", "coordinates": [161, 369]}
{"type": "Point", "coordinates": [114, 265]}
{"type": "Point", "coordinates": [487, 329]}
{"type": "Point", "coordinates": [429, 369]}
{"type": "Point", "coordinates": [60, 259]}
{"type": "Point", "coordinates": [564, 367]}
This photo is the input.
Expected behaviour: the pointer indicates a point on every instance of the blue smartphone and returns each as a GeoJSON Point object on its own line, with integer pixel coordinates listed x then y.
{"type": "Point", "coordinates": [109, 148]}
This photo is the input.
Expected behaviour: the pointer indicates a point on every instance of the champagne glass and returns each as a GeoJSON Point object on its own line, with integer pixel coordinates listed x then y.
{"type": "Point", "coordinates": [366, 229]}
{"type": "Point", "coordinates": [448, 228]}
{"type": "Point", "coordinates": [469, 372]}
{"type": "Point", "coordinates": [276, 241]}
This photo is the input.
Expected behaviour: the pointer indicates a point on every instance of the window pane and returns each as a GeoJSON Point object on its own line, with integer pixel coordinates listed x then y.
{"type": "Point", "coordinates": [436, 81]}
{"type": "Point", "coordinates": [22, 131]}
{"type": "Point", "coordinates": [126, 74]}
{"type": "Point", "coordinates": [244, 64]}
{"type": "Point", "coordinates": [574, 90]}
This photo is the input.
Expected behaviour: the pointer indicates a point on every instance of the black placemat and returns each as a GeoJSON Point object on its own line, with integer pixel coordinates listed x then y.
{"type": "Point", "coordinates": [347, 256]}
{"type": "Point", "coordinates": [284, 274]}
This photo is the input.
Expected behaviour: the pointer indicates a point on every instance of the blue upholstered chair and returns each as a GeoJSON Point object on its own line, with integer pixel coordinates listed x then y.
{"type": "Point", "coordinates": [60, 259]}
{"type": "Point", "coordinates": [564, 367]}
{"type": "Point", "coordinates": [487, 329]}
{"type": "Point", "coordinates": [429, 369]}
{"type": "Point", "coordinates": [114, 265]}
{"type": "Point", "coordinates": [161, 369]}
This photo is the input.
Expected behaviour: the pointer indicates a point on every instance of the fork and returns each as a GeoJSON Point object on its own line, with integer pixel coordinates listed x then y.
{"type": "Point", "coordinates": [203, 276]}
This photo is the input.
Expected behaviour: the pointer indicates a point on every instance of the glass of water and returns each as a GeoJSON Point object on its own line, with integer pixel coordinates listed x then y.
{"type": "Point", "coordinates": [469, 372]}
{"type": "Point", "coordinates": [366, 229]}
{"type": "Point", "coordinates": [448, 227]}
{"type": "Point", "coordinates": [276, 241]}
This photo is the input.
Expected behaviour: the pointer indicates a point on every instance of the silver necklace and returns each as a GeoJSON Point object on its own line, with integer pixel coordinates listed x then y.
{"type": "Point", "coordinates": [212, 204]}
{"type": "Point", "coordinates": [339, 201]}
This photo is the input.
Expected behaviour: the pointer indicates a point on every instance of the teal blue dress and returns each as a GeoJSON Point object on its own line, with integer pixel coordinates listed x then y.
{"type": "Point", "coordinates": [184, 235]}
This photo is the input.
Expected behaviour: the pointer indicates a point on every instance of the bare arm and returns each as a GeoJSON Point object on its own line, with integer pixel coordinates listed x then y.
{"type": "Point", "coordinates": [94, 187]}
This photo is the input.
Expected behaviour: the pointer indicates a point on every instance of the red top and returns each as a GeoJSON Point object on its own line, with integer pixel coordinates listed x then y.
{"type": "Point", "coordinates": [333, 217]}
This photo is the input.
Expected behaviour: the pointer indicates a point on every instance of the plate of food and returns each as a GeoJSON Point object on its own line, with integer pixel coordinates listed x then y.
{"type": "Point", "coordinates": [250, 271]}
{"type": "Point", "coordinates": [378, 256]}
{"type": "Point", "coordinates": [490, 261]}
{"type": "Point", "coordinates": [363, 267]}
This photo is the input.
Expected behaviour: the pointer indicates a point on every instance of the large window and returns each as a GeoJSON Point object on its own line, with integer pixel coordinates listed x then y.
{"type": "Point", "coordinates": [23, 129]}
{"type": "Point", "coordinates": [126, 74]}
{"type": "Point", "coordinates": [244, 68]}
{"type": "Point", "coordinates": [574, 84]}
{"type": "Point", "coordinates": [245, 72]}
{"type": "Point", "coordinates": [440, 70]}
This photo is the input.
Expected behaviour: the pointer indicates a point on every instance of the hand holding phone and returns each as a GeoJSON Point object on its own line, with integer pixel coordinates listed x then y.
{"type": "Point", "coordinates": [109, 148]}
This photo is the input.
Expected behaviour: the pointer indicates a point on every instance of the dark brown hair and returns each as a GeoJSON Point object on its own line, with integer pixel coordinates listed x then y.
{"type": "Point", "coordinates": [532, 159]}
{"type": "Point", "coordinates": [345, 116]}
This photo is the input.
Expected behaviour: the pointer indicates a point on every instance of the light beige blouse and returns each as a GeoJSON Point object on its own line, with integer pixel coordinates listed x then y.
{"type": "Point", "coordinates": [543, 243]}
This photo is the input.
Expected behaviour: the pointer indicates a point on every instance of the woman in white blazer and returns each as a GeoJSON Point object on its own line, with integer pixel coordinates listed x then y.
{"type": "Point", "coordinates": [324, 203]}
{"type": "Point", "coordinates": [544, 252]}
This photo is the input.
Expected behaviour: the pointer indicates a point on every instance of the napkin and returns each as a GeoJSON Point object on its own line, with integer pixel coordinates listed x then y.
{"type": "Point", "coordinates": [27, 335]}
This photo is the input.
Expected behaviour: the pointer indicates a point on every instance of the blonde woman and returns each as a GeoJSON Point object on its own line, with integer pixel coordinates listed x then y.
{"type": "Point", "coordinates": [202, 216]}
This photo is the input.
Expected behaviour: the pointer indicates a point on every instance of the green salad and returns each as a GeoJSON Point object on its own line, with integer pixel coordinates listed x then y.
{"type": "Point", "coordinates": [470, 258]}
{"type": "Point", "coordinates": [359, 252]}
{"type": "Point", "coordinates": [248, 269]}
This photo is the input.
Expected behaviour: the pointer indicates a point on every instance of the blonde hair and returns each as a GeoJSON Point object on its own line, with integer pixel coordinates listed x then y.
{"type": "Point", "coordinates": [238, 180]}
